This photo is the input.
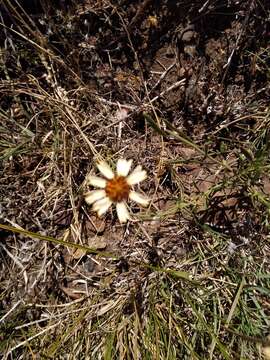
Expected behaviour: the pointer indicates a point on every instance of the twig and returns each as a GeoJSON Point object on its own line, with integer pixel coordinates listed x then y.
{"type": "Point", "coordinates": [162, 77]}
{"type": "Point", "coordinates": [172, 87]}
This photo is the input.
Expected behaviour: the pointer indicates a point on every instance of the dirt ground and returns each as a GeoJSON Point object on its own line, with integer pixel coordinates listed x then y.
{"type": "Point", "coordinates": [180, 87]}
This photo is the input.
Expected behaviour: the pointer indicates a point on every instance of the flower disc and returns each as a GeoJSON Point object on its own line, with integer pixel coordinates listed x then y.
{"type": "Point", "coordinates": [117, 189]}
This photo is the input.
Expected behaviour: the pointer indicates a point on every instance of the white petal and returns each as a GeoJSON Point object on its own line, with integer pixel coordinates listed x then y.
{"type": "Point", "coordinates": [136, 176]}
{"type": "Point", "coordinates": [105, 170]}
{"type": "Point", "coordinates": [122, 212]}
{"type": "Point", "coordinates": [96, 181]}
{"type": "Point", "coordinates": [138, 198]}
{"type": "Point", "coordinates": [123, 167]}
{"type": "Point", "coordinates": [94, 195]}
{"type": "Point", "coordinates": [101, 206]}
{"type": "Point", "coordinates": [138, 168]}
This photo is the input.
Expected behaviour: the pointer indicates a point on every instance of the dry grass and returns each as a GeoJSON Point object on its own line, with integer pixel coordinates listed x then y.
{"type": "Point", "coordinates": [189, 279]}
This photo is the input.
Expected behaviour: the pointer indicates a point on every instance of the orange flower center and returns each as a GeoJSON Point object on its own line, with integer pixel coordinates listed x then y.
{"type": "Point", "coordinates": [117, 189]}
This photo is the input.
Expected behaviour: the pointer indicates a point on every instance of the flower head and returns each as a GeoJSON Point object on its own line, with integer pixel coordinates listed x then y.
{"type": "Point", "coordinates": [116, 188]}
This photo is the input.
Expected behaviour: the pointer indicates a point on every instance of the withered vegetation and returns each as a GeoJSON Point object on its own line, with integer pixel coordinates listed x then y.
{"type": "Point", "coordinates": [181, 87]}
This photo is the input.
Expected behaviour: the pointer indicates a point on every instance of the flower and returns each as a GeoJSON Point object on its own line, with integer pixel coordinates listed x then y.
{"type": "Point", "coordinates": [116, 188]}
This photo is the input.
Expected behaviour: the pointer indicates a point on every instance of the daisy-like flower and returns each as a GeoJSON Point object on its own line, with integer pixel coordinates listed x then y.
{"type": "Point", "coordinates": [116, 188]}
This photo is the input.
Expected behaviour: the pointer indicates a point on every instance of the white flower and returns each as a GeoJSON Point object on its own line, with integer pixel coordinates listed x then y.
{"type": "Point", "coordinates": [116, 188]}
